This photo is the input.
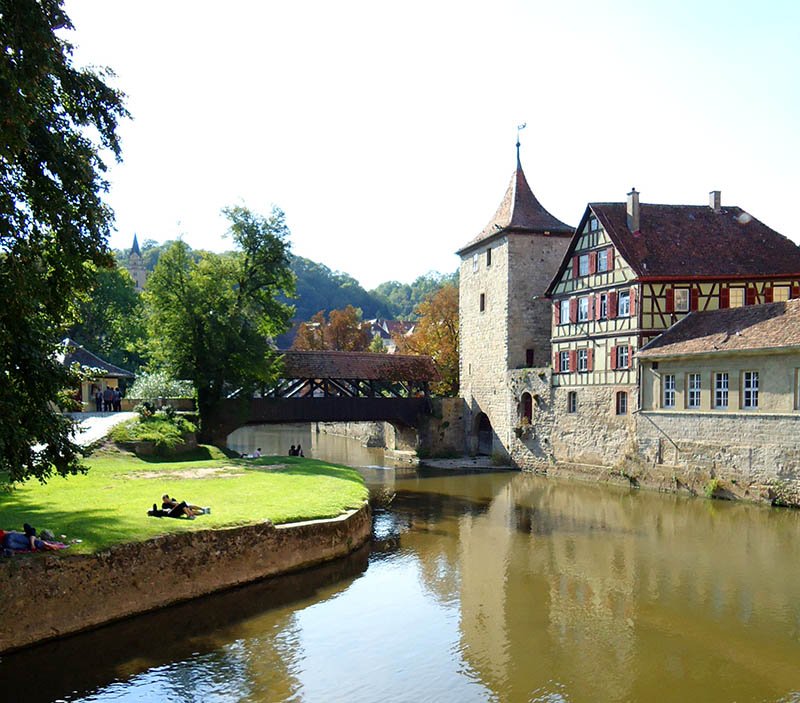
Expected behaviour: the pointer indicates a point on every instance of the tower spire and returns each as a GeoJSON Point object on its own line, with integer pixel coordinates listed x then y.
{"type": "Point", "coordinates": [520, 127]}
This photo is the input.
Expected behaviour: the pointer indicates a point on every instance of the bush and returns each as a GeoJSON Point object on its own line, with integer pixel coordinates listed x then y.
{"type": "Point", "coordinates": [165, 432]}
{"type": "Point", "coordinates": [156, 384]}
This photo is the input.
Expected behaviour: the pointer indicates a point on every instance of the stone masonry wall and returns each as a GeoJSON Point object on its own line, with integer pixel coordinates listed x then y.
{"type": "Point", "coordinates": [64, 594]}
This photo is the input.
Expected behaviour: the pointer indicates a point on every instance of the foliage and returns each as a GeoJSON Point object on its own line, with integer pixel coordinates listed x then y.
{"type": "Point", "coordinates": [110, 319]}
{"type": "Point", "coordinates": [436, 335]}
{"type": "Point", "coordinates": [107, 506]}
{"type": "Point", "coordinates": [55, 120]}
{"type": "Point", "coordinates": [211, 321]}
{"type": "Point", "coordinates": [153, 385]}
{"type": "Point", "coordinates": [342, 331]}
{"type": "Point", "coordinates": [160, 428]}
{"type": "Point", "coordinates": [713, 487]}
{"type": "Point", "coordinates": [402, 299]}
{"type": "Point", "coordinates": [377, 346]}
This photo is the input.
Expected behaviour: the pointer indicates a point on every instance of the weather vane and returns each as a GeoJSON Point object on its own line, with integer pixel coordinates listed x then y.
{"type": "Point", "coordinates": [520, 127]}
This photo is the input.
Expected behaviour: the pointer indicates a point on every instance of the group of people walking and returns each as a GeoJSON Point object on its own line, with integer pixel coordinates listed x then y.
{"type": "Point", "coordinates": [109, 400]}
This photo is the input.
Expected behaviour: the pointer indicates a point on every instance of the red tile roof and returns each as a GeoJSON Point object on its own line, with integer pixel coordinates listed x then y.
{"type": "Point", "coordinates": [773, 326]}
{"type": "Point", "coordinates": [692, 240]}
{"type": "Point", "coordinates": [519, 211]}
{"type": "Point", "coordinates": [358, 365]}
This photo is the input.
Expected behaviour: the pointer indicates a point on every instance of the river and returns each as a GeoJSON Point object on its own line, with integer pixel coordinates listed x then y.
{"type": "Point", "coordinates": [494, 586]}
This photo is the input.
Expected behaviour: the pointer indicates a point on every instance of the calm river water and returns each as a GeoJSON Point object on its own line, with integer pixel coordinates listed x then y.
{"type": "Point", "coordinates": [476, 587]}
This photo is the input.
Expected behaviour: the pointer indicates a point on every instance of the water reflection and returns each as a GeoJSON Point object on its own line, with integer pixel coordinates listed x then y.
{"type": "Point", "coordinates": [481, 587]}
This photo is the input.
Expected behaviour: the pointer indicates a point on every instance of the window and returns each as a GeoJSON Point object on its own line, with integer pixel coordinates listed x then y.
{"type": "Point", "coordinates": [721, 391]}
{"type": "Point", "coordinates": [594, 225]}
{"type": "Point", "coordinates": [668, 382]}
{"type": "Point", "coordinates": [488, 257]}
{"type": "Point", "coordinates": [780, 293]}
{"type": "Point", "coordinates": [602, 261]}
{"type": "Point", "coordinates": [563, 362]}
{"type": "Point", "coordinates": [564, 314]}
{"type": "Point", "coordinates": [527, 407]}
{"type": "Point", "coordinates": [622, 357]}
{"type": "Point", "coordinates": [583, 309]}
{"type": "Point", "coordinates": [583, 360]}
{"type": "Point", "coordinates": [693, 390]}
{"type": "Point", "coordinates": [529, 357]}
{"type": "Point", "coordinates": [624, 304]}
{"type": "Point", "coordinates": [681, 300]}
{"type": "Point", "coordinates": [583, 265]}
{"type": "Point", "coordinates": [735, 297]}
{"type": "Point", "coordinates": [622, 403]}
{"type": "Point", "coordinates": [483, 302]}
{"type": "Point", "coordinates": [474, 262]}
{"type": "Point", "coordinates": [750, 390]}
{"type": "Point", "coordinates": [603, 312]}
{"type": "Point", "coordinates": [572, 402]}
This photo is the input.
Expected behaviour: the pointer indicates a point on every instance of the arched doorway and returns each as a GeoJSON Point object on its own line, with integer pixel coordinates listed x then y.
{"type": "Point", "coordinates": [526, 409]}
{"type": "Point", "coordinates": [483, 428]}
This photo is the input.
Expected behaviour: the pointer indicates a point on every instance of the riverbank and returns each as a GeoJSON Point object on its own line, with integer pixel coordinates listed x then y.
{"type": "Point", "coordinates": [269, 516]}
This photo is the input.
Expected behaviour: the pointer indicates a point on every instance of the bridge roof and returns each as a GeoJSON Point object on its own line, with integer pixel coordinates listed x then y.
{"type": "Point", "coordinates": [358, 365]}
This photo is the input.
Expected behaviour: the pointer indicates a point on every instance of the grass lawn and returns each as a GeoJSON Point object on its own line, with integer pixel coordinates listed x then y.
{"type": "Point", "coordinates": [109, 504]}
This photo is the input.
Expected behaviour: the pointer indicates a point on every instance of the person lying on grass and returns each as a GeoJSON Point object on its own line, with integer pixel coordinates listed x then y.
{"type": "Point", "coordinates": [173, 508]}
{"type": "Point", "coordinates": [12, 541]}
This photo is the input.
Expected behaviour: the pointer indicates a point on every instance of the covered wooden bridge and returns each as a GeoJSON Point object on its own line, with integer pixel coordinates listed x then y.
{"type": "Point", "coordinates": [329, 386]}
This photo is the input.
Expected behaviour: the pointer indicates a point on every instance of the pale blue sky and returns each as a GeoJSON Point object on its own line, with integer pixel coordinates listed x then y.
{"type": "Point", "coordinates": [386, 131]}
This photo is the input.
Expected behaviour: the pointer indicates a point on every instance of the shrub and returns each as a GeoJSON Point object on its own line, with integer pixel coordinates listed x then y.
{"type": "Point", "coordinates": [157, 384]}
{"type": "Point", "coordinates": [166, 433]}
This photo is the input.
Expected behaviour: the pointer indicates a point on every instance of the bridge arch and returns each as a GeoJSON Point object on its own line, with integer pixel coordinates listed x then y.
{"type": "Point", "coordinates": [483, 434]}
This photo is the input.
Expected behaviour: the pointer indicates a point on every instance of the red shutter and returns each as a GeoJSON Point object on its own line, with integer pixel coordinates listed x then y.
{"type": "Point", "coordinates": [767, 292]}
{"type": "Point", "coordinates": [633, 302]}
{"type": "Point", "coordinates": [573, 310]}
{"type": "Point", "coordinates": [724, 298]}
{"type": "Point", "coordinates": [590, 307]}
{"type": "Point", "coordinates": [593, 262]}
{"type": "Point", "coordinates": [575, 268]}
{"type": "Point", "coordinates": [795, 291]}
{"type": "Point", "coordinates": [670, 304]}
{"type": "Point", "coordinates": [555, 363]}
{"type": "Point", "coordinates": [573, 361]}
{"type": "Point", "coordinates": [630, 357]}
{"type": "Point", "coordinates": [613, 358]}
{"type": "Point", "coordinates": [611, 305]}
{"type": "Point", "coordinates": [694, 299]}
{"type": "Point", "coordinates": [597, 306]}
{"type": "Point", "coordinates": [589, 359]}
{"type": "Point", "coordinates": [557, 313]}
{"type": "Point", "coordinates": [610, 258]}
{"type": "Point", "coordinates": [750, 295]}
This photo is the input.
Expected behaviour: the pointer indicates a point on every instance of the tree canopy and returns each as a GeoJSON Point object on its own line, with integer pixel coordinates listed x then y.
{"type": "Point", "coordinates": [342, 331]}
{"type": "Point", "coordinates": [436, 335]}
{"type": "Point", "coordinates": [55, 122]}
{"type": "Point", "coordinates": [211, 321]}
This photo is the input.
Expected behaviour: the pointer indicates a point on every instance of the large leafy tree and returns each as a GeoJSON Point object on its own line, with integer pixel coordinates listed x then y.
{"type": "Point", "coordinates": [211, 321]}
{"type": "Point", "coordinates": [342, 331]}
{"type": "Point", "coordinates": [55, 121]}
{"type": "Point", "coordinates": [436, 335]}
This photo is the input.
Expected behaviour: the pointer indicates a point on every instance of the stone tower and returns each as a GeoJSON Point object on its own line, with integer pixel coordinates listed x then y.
{"type": "Point", "coordinates": [136, 266]}
{"type": "Point", "coordinates": [504, 319]}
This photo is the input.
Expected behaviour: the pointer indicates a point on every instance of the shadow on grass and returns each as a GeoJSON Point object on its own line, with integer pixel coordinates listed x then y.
{"type": "Point", "coordinates": [296, 466]}
{"type": "Point", "coordinates": [202, 453]}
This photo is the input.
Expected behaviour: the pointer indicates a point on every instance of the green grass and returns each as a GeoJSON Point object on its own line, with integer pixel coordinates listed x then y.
{"type": "Point", "coordinates": [109, 504]}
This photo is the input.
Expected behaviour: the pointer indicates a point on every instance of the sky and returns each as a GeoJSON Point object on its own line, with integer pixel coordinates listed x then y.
{"type": "Point", "coordinates": [386, 131]}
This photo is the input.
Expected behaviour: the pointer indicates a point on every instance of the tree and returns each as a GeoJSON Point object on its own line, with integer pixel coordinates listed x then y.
{"type": "Point", "coordinates": [110, 319]}
{"type": "Point", "coordinates": [377, 346]}
{"type": "Point", "coordinates": [343, 331]}
{"type": "Point", "coordinates": [436, 335]}
{"type": "Point", "coordinates": [55, 121]}
{"type": "Point", "coordinates": [211, 321]}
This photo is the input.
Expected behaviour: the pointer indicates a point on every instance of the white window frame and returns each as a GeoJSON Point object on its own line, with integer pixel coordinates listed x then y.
{"type": "Point", "coordinates": [741, 297]}
{"type": "Point", "coordinates": [721, 390]}
{"type": "Point", "coordinates": [622, 356]}
{"type": "Point", "coordinates": [594, 224]}
{"type": "Point", "coordinates": [668, 390]}
{"type": "Point", "coordinates": [603, 307]}
{"type": "Point", "coordinates": [474, 262]}
{"type": "Point", "coordinates": [621, 402]}
{"type": "Point", "coordinates": [602, 261]}
{"type": "Point", "coordinates": [750, 390]}
{"type": "Point", "coordinates": [564, 312]}
{"type": "Point", "coordinates": [583, 265]}
{"type": "Point", "coordinates": [694, 383]}
{"type": "Point", "coordinates": [583, 360]}
{"type": "Point", "coordinates": [784, 295]}
{"type": "Point", "coordinates": [624, 304]}
{"type": "Point", "coordinates": [583, 308]}
{"type": "Point", "coordinates": [563, 362]}
{"type": "Point", "coordinates": [681, 299]}
{"type": "Point", "coordinates": [572, 402]}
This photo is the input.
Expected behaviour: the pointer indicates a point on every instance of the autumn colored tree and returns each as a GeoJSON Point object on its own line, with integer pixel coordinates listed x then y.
{"type": "Point", "coordinates": [342, 331]}
{"type": "Point", "coordinates": [436, 335]}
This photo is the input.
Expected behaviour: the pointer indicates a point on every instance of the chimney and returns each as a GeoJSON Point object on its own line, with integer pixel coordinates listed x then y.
{"type": "Point", "coordinates": [715, 200]}
{"type": "Point", "coordinates": [633, 210]}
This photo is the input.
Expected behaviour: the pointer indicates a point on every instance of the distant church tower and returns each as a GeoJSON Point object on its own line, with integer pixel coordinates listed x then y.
{"type": "Point", "coordinates": [136, 267]}
{"type": "Point", "coordinates": [504, 320]}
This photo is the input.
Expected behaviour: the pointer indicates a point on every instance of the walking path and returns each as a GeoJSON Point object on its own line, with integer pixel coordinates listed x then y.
{"type": "Point", "coordinates": [95, 426]}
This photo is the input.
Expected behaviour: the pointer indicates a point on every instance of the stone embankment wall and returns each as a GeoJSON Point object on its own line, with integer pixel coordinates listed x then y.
{"type": "Point", "coordinates": [369, 434]}
{"type": "Point", "coordinates": [48, 596]}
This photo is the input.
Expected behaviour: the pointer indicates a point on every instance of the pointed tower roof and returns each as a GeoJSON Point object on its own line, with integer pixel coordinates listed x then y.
{"type": "Point", "coordinates": [135, 247]}
{"type": "Point", "coordinates": [520, 212]}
